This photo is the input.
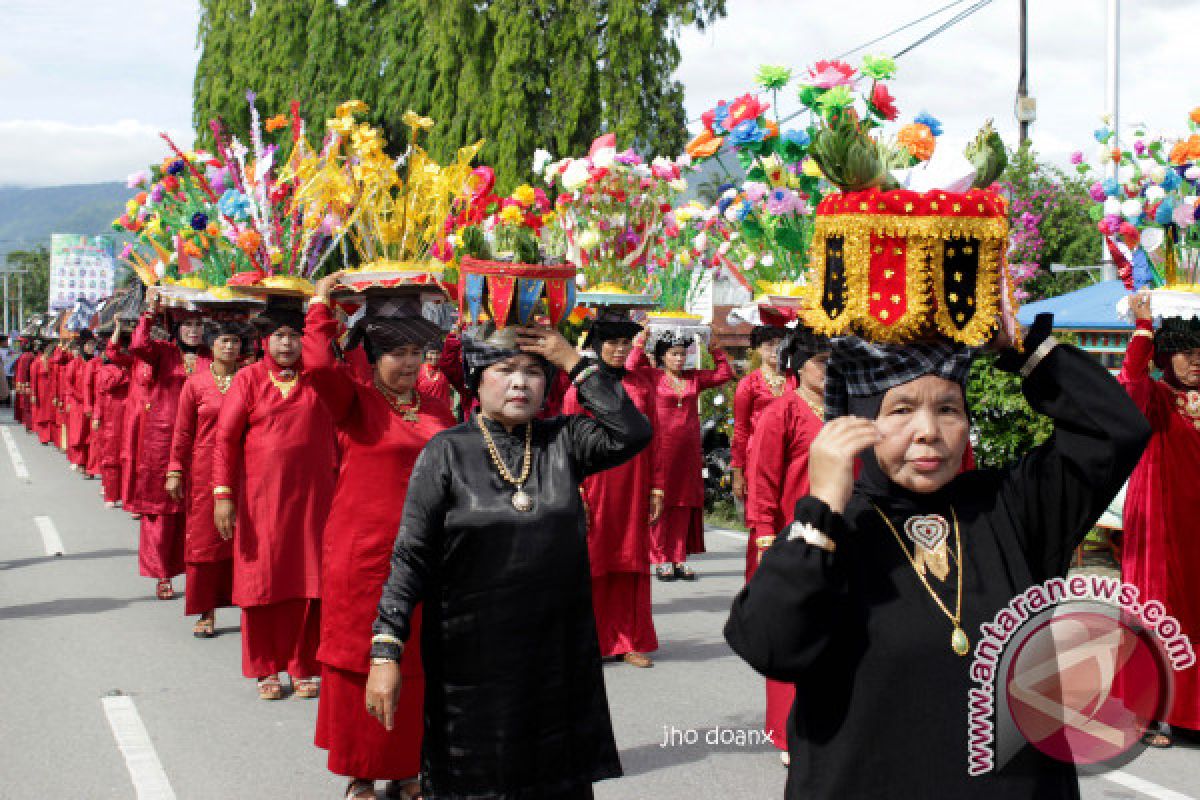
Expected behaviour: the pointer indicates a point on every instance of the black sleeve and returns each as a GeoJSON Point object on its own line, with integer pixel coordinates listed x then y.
{"type": "Point", "coordinates": [786, 616]}
{"type": "Point", "coordinates": [615, 432]}
{"type": "Point", "coordinates": [418, 545]}
{"type": "Point", "coordinates": [1056, 493]}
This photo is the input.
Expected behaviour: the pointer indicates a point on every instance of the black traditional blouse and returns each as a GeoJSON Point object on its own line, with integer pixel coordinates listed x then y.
{"type": "Point", "coordinates": [881, 706]}
{"type": "Point", "coordinates": [515, 704]}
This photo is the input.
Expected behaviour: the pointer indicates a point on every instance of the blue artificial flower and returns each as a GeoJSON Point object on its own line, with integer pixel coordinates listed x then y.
{"type": "Point", "coordinates": [1173, 179]}
{"type": "Point", "coordinates": [176, 167]}
{"type": "Point", "coordinates": [747, 132]}
{"type": "Point", "coordinates": [720, 114]}
{"type": "Point", "coordinates": [1165, 213]}
{"type": "Point", "coordinates": [234, 204]}
{"type": "Point", "coordinates": [800, 138]}
{"type": "Point", "coordinates": [743, 210]}
{"type": "Point", "coordinates": [1102, 135]}
{"type": "Point", "coordinates": [199, 221]}
{"type": "Point", "coordinates": [1111, 187]}
{"type": "Point", "coordinates": [929, 121]}
{"type": "Point", "coordinates": [724, 203]}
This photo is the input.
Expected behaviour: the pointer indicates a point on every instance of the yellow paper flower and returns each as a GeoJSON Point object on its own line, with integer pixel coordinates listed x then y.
{"type": "Point", "coordinates": [415, 121]}
{"type": "Point", "coordinates": [351, 107]}
{"type": "Point", "coordinates": [811, 169]}
{"type": "Point", "coordinates": [524, 195]}
{"type": "Point", "coordinates": [511, 215]}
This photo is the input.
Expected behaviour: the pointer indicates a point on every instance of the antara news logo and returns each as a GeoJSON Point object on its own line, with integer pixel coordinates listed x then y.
{"type": "Point", "coordinates": [1079, 667]}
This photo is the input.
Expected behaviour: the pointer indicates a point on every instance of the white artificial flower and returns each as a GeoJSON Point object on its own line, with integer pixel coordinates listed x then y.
{"type": "Point", "coordinates": [540, 159]}
{"type": "Point", "coordinates": [1125, 174]}
{"type": "Point", "coordinates": [604, 158]}
{"type": "Point", "coordinates": [1157, 173]}
{"type": "Point", "coordinates": [724, 248]}
{"type": "Point", "coordinates": [641, 170]}
{"type": "Point", "coordinates": [1112, 206]}
{"type": "Point", "coordinates": [701, 241]}
{"type": "Point", "coordinates": [730, 193]}
{"type": "Point", "coordinates": [589, 239]}
{"type": "Point", "coordinates": [1192, 173]}
{"type": "Point", "coordinates": [576, 175]}
{"type": "Point", "coordinates": [683, 161]}
{"type": "Point", "coordinates": [1131, 209]}
{"type": "Point", "coordinates": [768, 260]}
{"type": "Point", "coordinates": [678, 184]}
{"type": "Point", "coordinates": [1103, 154]}
{"type": "Point", "coordinates": [1155, 193]}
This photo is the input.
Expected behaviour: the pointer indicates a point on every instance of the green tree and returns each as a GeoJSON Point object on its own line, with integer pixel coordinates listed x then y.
{"type": "Point", "coordinates": [35, 283]}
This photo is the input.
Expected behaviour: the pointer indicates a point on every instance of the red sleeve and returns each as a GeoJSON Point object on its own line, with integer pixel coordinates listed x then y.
{"type": "Point", "coordinates": [231, 428]}
{"type": "Point", "coordinates": [719, 376]}
{"type": "Point", "coordinates": [637, 360]}
{"type": "Point", "coordinates": [330, 379]}
{"type": "Point", "coordinates": [658, 477]}
{"type": "Point", "coordinates": [141, 345]}
{"type": "Point", "coordinates": [451, 364]}
{"type": "Point", "coordinates": [89, 386]}
{"type": "Point", "coordinates": [185, 429]}
{"type": "Point", "coordinates": [743, 409]}
{"type": "Point", "coordinates": [766, 474]}
{"type": "Point", "coordinates": [1135, 371]}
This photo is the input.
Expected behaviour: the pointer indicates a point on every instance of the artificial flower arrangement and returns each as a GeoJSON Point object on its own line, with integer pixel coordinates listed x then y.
{"type": "Point", "coordinates": [911, 243]}
{"type": "Point", "coordinates": [1149, 214]}
{"type": "Point", "coordinates": [610, 209]}
{"type": "Point", "coordinates": [694, 242]}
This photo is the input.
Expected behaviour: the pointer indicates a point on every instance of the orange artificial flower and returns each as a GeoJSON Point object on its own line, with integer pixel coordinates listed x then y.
{"type": "Point", "coordinates": [705, 145]}
{"type": "Point", "coordinates": [918, 140]}
{"type": "Point", "coordinates": [772, 130]}
{"type": "Point", "coordinates": [250, 241]}
{"type": "Point", "coordinates": [1194, 115]}
{"type": "Point", "coordinates": [276, 122]}
{"type": "Point", "coordinates": [213, 230]}
{"type": "Point", "coordinates": [1186, 150]}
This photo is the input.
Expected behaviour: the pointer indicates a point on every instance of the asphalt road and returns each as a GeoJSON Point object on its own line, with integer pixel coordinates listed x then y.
{"type": "Point", "coordinates": [103, 689]}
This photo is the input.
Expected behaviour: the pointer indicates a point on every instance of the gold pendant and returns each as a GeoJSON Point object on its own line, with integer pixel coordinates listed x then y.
{"type": "Point", "coordinates": [959, 642]}
{"type": "Point", "coordinates": [410, 415]}
{"type": "Point", "coordinates": [521, 501]}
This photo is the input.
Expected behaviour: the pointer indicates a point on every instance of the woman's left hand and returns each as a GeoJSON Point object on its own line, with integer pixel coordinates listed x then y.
{"type": "Point", "coordinates": [383, 692]}
{"type": "Point", "coordinates": [550, 345]}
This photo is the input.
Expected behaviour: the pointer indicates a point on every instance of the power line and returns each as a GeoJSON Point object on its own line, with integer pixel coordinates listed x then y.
{"type": "Point", "coordinates": [957, 18]}
{"type": "Point", "coordinates": [904, 27]}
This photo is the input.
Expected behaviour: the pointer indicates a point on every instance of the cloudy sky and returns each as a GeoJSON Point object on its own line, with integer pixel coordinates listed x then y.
{"type": "Point", "coordinates": [85, 86]}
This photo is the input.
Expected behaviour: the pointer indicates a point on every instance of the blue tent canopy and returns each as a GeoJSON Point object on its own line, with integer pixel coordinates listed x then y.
{"type": "Point", "coordinates": [1090, 308]}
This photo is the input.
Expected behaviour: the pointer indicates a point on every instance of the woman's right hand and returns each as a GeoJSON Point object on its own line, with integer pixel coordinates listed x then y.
{"type": "Point", "coordinates": [174, 487]}
{"type": "Point", "coordinates": [326, 285]}
{"type": "Point", "coordinates": [383, 692]}
{"type": "Point", "coordinates": [831, 459]}
{"type": "Point", "coordinates": [224, 516]}
{"type": "Point", "coordinates": [739, 484]}
{"type": "Point", "coordinates": [1139, 304]}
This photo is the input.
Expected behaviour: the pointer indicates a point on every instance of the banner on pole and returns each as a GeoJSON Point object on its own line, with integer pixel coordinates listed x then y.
{"type": "Point", "coordinates": [81, 270]}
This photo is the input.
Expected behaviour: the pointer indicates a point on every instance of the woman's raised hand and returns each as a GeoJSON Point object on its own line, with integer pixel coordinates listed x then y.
{"type": "Point", "coordinates": [550, 345]}
{"type": "Point", "coordinates": [831, 459]}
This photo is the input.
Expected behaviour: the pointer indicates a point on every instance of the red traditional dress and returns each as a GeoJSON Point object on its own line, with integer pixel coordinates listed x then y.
{"type": "Point", "coordinates": [78, 421]}
{"type": "Point", "coordinates": [161, 546]}
{"type": "Point", "coordinates": [41, 380]}
{"type": "Point", "coordinates": [777, 478]}
{"type": "Point", "coordinates": [379, 446]}
{"type": "Point", "coordinates": [140, 376]}
{"type": "Point", "coordinates": [1160, 554]}
{"type": "Point", "coordinates": [94, 450]}
{"type": "Point", "coordinates": [679, 532]}
{"type": "Point", "coordinates": [58, 382]}
{"type": "Point", "coordinates": [112, 389]}
{"type": "Point", "coordinates": [618, 512]}
{"type": "Point", "coordinates": [275, 449]}
{"type": "Point", "coordinates": [754, 393]}
{"type": "Point", "coordinates": [431, 382]}
{"type": "Point", "coordinates": [208, 557]}
{"type": "Point", "coordinates": [22, 411]}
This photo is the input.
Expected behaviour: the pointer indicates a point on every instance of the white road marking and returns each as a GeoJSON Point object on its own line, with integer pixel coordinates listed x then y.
{"type": "Point", "coordinates": [1143, 786]}
{"type": "Point", "coordinates": [14, 455]}
{"type": "Point", "coordinates": [50, 537]}
{"type": "Point", "coordinates": [149, 779]}
{"type": "Point", "coordinates": [730, 534]}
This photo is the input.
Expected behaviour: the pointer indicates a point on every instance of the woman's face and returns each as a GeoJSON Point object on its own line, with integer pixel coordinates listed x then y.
{"type": "Point", "coordinates": [191, 332]}
{"type": "Point", "coordinates": [1186, 366]}
{"type": "Point", "coordinates": [613, 352]}
{"type": "Point", "coordinates": [227, 348]}
{"type": "Point", "coordinates": [511, 391]}
{"type": "Point", "coordinates": [674, 358]}
{"type": "Point", "coordinates": [397, 368]}
{"type": "Point", "coordinates": [812, 374]}
{"type": "Point", "coordinates": [924, 430]}
{"type": "Point", "coordinates": [284, 346]}
{"type": "Point", "coordinates": [768, 352]}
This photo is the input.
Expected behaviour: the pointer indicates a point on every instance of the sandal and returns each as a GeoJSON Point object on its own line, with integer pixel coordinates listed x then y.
{"type": "Point", "coordinates": [684, 572]}
{"type": "Point", "coordinates": [665, 572]}
{"type": "Point", "coordinates": [269, 688]}
{"type": "Point", "coordinates": [1157, 739]}
{"type": "Point", "coordinates": [360, 789]}
{"type": "Point", "coordinates": [165, 590]}
{"type": "Point", "coordinates": [404, 790]}
{"type": "Point", "coordinates": [306, 687]}
{"type": "Point", "coordinates": [205, 628]}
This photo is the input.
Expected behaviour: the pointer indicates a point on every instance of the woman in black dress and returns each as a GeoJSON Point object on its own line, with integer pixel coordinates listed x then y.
{"type": "Point", "coordinates": [874, 628]}
{"type": "Point", "coordinates": [493, 541]}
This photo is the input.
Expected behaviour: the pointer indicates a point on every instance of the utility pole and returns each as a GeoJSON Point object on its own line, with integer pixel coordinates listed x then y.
{"type": "Point", "coordinates": [1112, 108]}
{"type": "Point", "coordinates": [6, 320]}
{"type": "Point", "coordinates": [1026, 105]}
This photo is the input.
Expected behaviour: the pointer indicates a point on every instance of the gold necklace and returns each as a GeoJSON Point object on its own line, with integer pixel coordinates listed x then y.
{"type": "Point", "coordinates": [959, 642]}
{"type": "Point", "coordinates": [189, 363]}
{"type": "Point", "coordinates": [774, 383]}
{"type": "Point", "coordinates": [285, 382]}
{"type": "Point", "coordinates": [521, 500]}
{"type": "Point", "coordinates": [1187, 403]}
{"type": "Point", "coordinates": [407, 412]}
{"type": "Point", "coordinates": [223, 382]}
{"type": "Point", "coordinates": [679, 386]}
{"type": "Point", "coordinates": [819, 410]}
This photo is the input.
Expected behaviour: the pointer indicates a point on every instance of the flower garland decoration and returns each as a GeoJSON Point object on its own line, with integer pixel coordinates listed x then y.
{"type": "Point", "coordinates": [695, 240]}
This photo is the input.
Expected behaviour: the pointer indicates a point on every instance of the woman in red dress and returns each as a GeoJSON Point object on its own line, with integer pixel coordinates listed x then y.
{"type": "Point", "coordinates": [383, 424]}
{"type": "Point", "coordinates": [1160, 555]}
{"type": "Point", "coordinates": [161, 543]}
{"type": "Point", "coordinates": [79, 425]}
{"type": "Point", "coordinates": [112, 390]}
{"type": "Point", "coordinates": [41, 384]}
{"type": "Point", "coordinates": [59, 362]}
{"type": "Point", "coordinates": [778, 477]}
{"type": "Point", "coordinates": [273, 478]}
{"type": "Point", "coordinates": [90, 371]}
{"type": "Point", "coordinates": [621, 504]}
{"type": "Point", "coordinates": [208, 557]}
{"type": "Point", "coordinates": [679, 531]}
{"type": "Point", "coordinates": [754, 393]}
{"type": "Point", "coordinates": [431, 381]}
{"type": "Point", "coordinates": [21, 410]}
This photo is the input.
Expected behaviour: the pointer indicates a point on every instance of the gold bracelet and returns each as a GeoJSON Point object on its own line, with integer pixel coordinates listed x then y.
{"type": "Point", "coordinates": [657, 493]}
{"type": "Point", "coordinates": [222, 491]}
{"type": "Point", "coordinates": [174, 473]}
{"type": "Point", "coordinates": [321, 301]}
{"type": "Point", "coordinates": [1144, 332]}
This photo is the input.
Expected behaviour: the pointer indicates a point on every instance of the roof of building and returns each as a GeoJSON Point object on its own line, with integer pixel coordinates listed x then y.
{"type": "Point", "coordinates": [1090, 308]}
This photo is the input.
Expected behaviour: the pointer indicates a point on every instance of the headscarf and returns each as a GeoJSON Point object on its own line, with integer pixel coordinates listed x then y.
{"type": "Point", "coordinates": [766, 333]}
{"type": "Point", "coordinates": [213, 330]}
{"type": "Point", "coordinates": [1174, 335]}
{"type": "Point", "coordinates": [666, 341]}
{"type": "Point", "coordinates": [391, 322]}
{"type": "Point", "coordinates": [281, 312]}
{"type": "Point", "coordinates": [610, 324]}
{"type": "Point", "coordinates": [479, 353]}
{"type": "Point", "coordinates": [799, 346]}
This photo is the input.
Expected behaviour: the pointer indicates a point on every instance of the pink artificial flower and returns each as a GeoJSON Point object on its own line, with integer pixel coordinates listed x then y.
{"type": "Point", "coordinates": [1139, 147]}
{"type": "Point", "coordinates": [1077, 157]}
{"type": "Point", "coordinates": [828, 74]}
{"type": "Point", "coordinates": [884, 103]}
{"type": "Point", "coordinates": [755, 190]}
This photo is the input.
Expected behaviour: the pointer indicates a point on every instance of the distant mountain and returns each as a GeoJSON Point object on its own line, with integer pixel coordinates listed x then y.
{"type": "Point", "coordinates": [29, 216]}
